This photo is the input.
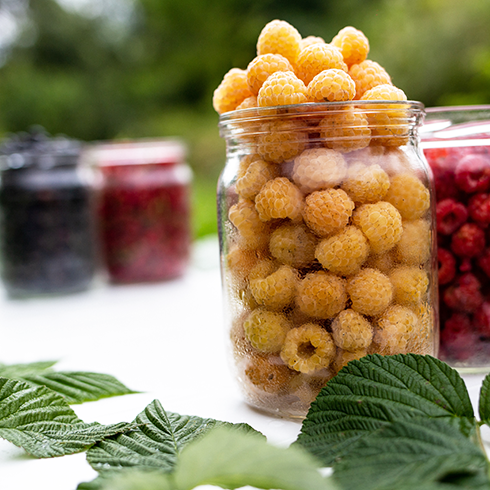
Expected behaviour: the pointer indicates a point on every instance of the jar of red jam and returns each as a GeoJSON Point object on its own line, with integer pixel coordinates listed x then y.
{"type": "Point", "coordinates": [456, 143]}
{"type": "Point", "coordinates": [145, 209]}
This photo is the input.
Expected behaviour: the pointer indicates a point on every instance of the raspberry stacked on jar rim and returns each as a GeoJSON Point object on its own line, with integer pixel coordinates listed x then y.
{"type": "Point", "coordinates": [327, 221]}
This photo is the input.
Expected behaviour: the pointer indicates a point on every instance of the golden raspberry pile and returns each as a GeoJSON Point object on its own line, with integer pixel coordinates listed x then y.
{"type": "Point", "coordinates": [327, 225]}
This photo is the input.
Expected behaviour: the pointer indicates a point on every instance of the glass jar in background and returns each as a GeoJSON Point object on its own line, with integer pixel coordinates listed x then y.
{"type": "Point", "coordinates": [326, 222]}
{"type": "Point", "coordinates": [47, 200]}
{"type": "Point", "coordinates": [145, 209]}
{"type": "Point", "coordinates": [456, 143]}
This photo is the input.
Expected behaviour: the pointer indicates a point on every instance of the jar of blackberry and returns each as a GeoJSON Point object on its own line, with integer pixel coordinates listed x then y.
{"type": "Point", "coordinates": [327, 243]}
{"type": "Point", "coordinates": [145, 209]}
{"type": "Point", "coordinates": [456, 143]}
{"type": "Point", "coordinates": [47, 200]}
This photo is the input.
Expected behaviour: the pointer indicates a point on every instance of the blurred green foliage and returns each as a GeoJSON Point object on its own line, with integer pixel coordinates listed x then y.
{"type": "Point", "coordinates": [153, 75]}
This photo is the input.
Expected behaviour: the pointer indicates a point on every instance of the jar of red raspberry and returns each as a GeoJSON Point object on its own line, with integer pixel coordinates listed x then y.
{"type": "Point", "coordinates": [456, 143]}
{"type": "Point", "coordinates": [145, 210]}
{"type": "Point", "coordinates": [327, 236]}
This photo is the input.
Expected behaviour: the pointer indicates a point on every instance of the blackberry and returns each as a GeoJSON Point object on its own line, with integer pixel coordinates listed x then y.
{"type": "Point", "coordinates": [353, 44]}
{"type": "Point", "coordinates": [370, 292]}
{"type": "Point", "coordinates": [318, 168]}
{"type": "Point", "coordinates": [343, 253]}
{"type": "Point", "coordinates": [308, 348]}
{"type": "Point", "coordinates": [321, 295]}
{"type": "Point", "coordinates": [351, 331]}
{"type": "Point", "coordinates": [327, 211]}
{"type": "Point", "coordinates": [232, 91]}
{"type": "Point", "coordinates": [279, 198]}
{"type": "Point", "coordinates": [266, 330]}
{"type": "Point", "coordinates": [332, 85]}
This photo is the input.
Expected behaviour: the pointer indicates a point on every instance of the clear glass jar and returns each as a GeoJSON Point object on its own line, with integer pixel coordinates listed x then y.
{"type": "Point", "coordinates": [326, 220]}
{"type": "Point", "coordinates": [145, 209]}
{"type": "Point", "coordinates": [456, 143]}
{"type": "Point", "coordinates": [47, 200]}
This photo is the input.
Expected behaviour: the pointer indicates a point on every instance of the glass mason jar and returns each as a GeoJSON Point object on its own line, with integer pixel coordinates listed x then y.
{"type": "Point", "coordinates": [326, 222]}
{"type": "Point", "coordinates": [145, 209]}
{"type": "Point", "coordinates": [47, 200]}
{"type": "Point", "coordinates": [456, 143]}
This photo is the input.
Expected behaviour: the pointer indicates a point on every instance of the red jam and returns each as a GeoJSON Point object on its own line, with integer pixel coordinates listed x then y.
{"type": "Point", "coordinates": [144, 211]}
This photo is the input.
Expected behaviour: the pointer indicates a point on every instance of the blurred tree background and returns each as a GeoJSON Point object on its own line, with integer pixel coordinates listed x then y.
{"type": "Point", "coordinates": [108, 69]}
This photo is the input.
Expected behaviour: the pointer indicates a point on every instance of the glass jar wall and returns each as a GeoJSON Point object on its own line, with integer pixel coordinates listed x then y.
{"type": "Point", "coordinates": [456, 143]}
{"type": "Point", "coordinates": [326, 219]}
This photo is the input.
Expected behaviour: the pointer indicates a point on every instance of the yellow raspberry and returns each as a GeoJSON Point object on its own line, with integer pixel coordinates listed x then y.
{"type": "Point", "coordinates": [366, 184]}
{"type": "Point", "coordinates": [279, 198]}
{"type": "Point", "coordinates": [384, 92]}
{"type": "Point", "coordinates": [351, 331]}
{"type": "Point", "coordinates": [321, 295]}
{"type": "Point", "coordinates": [318, 168]}
{"type": "Point", "coordinates": [281, 140]}
{"type": "Point", "coordinates": [245, 162]}
{"type": "Point", "coordinates": [318, 57]}
{"type": "Point", "coordinates": [268, 373]}
{"type": "Point", "coordinates": [308, 348]}
{"type": "Point", "coordinates": [232, 91]}
{"type": "Point", "coordinates": [280, 37]}
{"type": "Point", "coordinates": [422, 339]}
{"type": "Point", "coordinates": [262, 66]}
{"type": "Point", "coordinates": [381, 223]}
{"type": "Point", "coordinates": [248, 103]}
{"type": "Point", "coordinates": [415, 244]}
{"type": "Point", "coordinates": [343, 253]}
{"type": "Point", "coordinates": [272, 286]}
{"type": "Point", "coordinates": [343, 357]}
{"type": "Point", "coordinates": [257, 174]}
{"type": "Point", "coordinates": [266, 330]}
{"type": "Point", "coordinates": [394, 161]}
{"type": "Point", "coordinates": [238, 264]}
{"type": "Point", "coordinates": [370, 292]}
{"type": "Point", "coordinates": [327, 211]}
{"type": "Point", "coordinates": [254, 233]}
{"type": "Point", "coordinates": [307, 386]}
{"type": "Point", "coordinates": [345, 129]}
{"type": "Point", "coordinates": [331, 85]}
{"type": "Point", "coordinates": [282, 88]}
{"type": "Point", "coordinates": [293, 245]}
{"type": "Point", "coordinates": [353, 44]}
{"type": "Point", "coordinates": [366, 75]}
{"type": "Point", "coordinates": [409, 284]}
{"type": "Point", "coordinates": [311, 40]}
{"type": "Point", "coordinates": [409, 195]}
{"type": "Point", "coordinates": [394, 328]}
{"type": "Point", "coordinates": [383, 262]}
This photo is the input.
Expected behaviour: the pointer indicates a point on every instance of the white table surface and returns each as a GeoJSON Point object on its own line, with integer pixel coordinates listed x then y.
{"type": "Point", "coordinates": [166, 340]}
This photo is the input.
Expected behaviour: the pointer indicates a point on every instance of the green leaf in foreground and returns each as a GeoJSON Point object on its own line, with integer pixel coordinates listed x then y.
{"type": "Point", "coordinates": [374, 391]}
{"type": "Point", "coordinates": [413, 453]}
{"type": "Point", "coordinates": [229, 459]}
{"type": "Point", "coordinates": [42, 423]}
{"type": "Point", "coordinates": [484, 402]}
{"type": "Point", "coordinates": [21, 370]}
{"type": "Point", "coordinates": [157, 441]}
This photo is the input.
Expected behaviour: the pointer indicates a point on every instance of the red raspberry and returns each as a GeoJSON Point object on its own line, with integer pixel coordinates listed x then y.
{"type": "Point", "coordinates": [457, 339]}
{"type": "Point", "coordinates": [447, 265]}
{"type": "Point", "coordinates": [464, 295]}
{"type": "Point", "coordinates": [472, 174]}
{"type": "Point", "coordinates": [484, 262]}
{"type": "Point", "coordinates": [479, 208]}
{"type": "Point", "coordinates": [450, 215]}
{"type": "Point", "coordinates": [481, 319]}
{"type": "Point", "coordinates": [442, 162]}
{"type": "Point", "coordinates": [468, 241]}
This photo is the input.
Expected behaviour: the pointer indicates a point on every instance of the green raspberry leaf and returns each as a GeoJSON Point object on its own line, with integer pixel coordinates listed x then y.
{"type": "Point", "coordinates": [29, 369]}
{"type": "Point", "coordinates": [156, 443]}
{"type": "Point", "coordinates": [227, 458]}
{"type": "Point", "coordinates": [413, 453]}
{"type": "Point", "coordinates": [484, 402]}
{"type": "Point", "coordinates": [374, 391]}
{"type": "Point", "coordinates": [42, 423]}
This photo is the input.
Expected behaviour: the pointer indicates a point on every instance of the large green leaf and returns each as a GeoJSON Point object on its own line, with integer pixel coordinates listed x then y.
{"type": "Point", "coordinates": [80, 387]}
{"type": "Point", "coordinates": [21, 370]}
{"type": "Point", "coordinates": [376, 390]}
{"type": "Point", "coordinates": [43, 424]}
{"type": "Point", "coordinates": [226, 458]}
{"type": "Point", "coordinates": [413, 453]}
{"type": "Point", "coordinates": [157, 441]}
{"type": "Point", "coordinates": [484, 402]}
